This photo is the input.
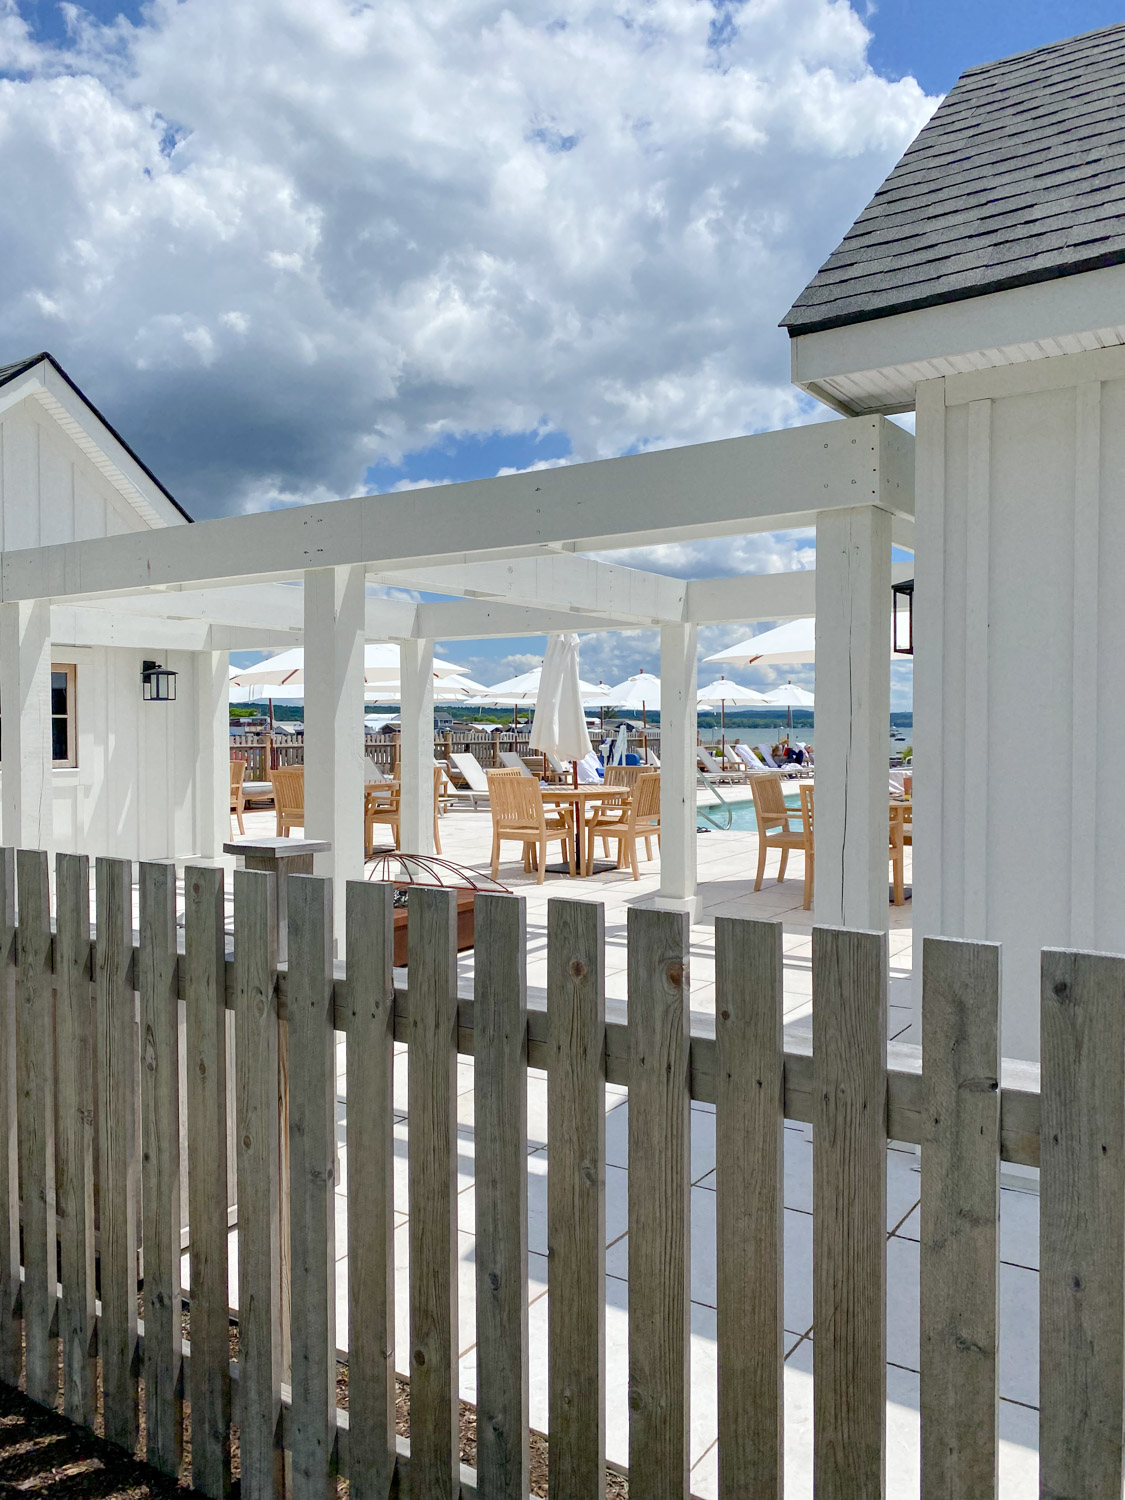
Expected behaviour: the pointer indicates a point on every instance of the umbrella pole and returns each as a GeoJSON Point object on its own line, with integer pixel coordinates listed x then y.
{"type": "Point", "coordinates": [723, 728]}
{"type": "Point", "coordinates": [577, 806]}
{"type": "Point", "coordinates": [644, 730]}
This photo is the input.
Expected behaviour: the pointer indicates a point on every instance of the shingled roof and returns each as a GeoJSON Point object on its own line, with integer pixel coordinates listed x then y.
{"type": "Point", "coordinates": [1019, 177]}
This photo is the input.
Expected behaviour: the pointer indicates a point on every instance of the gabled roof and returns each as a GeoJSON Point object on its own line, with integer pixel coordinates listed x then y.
{"type": "Point", "coordinates": [1019, 177]}
{"type": "Point", "coordinates": [117, 460]}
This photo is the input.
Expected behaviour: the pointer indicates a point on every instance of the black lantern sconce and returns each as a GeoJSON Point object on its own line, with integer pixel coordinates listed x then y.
{"type": "Point", "coordinates": [158, 684]}
{"type": "Point", "coordinates": [905, 591]}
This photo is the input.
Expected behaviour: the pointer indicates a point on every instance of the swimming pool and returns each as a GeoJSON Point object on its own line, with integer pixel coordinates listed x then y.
{"type": "Point", "coordinates": [742, 814]}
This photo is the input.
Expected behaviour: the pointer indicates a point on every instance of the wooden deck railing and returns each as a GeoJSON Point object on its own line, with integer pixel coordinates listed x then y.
{"type": "Point", "coordinates": [116, 1013]}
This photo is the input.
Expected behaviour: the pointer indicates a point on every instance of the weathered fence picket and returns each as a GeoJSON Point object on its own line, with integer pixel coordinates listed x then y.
{"type": "Point", "coordinates": [749, 1179]}
{"type": "Point", "coordinates": [90, 1040]}
{"type": "Point", "coordinates": [432, 1076]}
{"type": "Point", "coordinates": [960, 1218]}
{"type": "Point", "coordinates": [158, 988]}
{"type": "Point", "coordinates": [659, 1296]}
{"type": "Point", "coordinates": [850, 1214]}
{"type": "Point", "coordinates": [576, 1198]}
{"type": "Point", "coordinates": [205, 997]}
{"type": "Point", "coordinates": [76, 1021]}
{"type": "Point", "coordinates": [370, 1181]}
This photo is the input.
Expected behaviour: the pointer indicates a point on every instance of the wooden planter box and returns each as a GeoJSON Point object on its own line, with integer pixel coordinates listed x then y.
{"type": "Point", "coordinates": [465, 929]}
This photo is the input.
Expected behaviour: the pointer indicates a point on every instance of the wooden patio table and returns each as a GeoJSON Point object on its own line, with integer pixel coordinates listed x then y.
{"type": "Point", "coordinates": [580, 797]}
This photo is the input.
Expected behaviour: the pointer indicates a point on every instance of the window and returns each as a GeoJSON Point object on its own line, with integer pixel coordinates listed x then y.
{"type": "Point", "coordinates": [64, 728]}
{"type": "Point", "coordinates": [64, 733]}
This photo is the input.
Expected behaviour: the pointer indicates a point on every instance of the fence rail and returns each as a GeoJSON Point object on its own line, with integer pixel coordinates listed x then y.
{"type": "Point", "coordinates": [91, 1034]}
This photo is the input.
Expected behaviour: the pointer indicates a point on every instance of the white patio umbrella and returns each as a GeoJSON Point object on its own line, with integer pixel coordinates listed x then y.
{"type": "Point", "coordinates": [721, 692]}
{"type": "Point", "coordinates": [642, 691]}
{"type": "Point", "coordinates": [380, 666]}
{"type": "Point", "coordinates": [524, 691]}
{"type": "Point", "coordinates": [456, 688]}
{"type": "Point", "coordinates": [793, 642]}
{"type": "Point", "coordinates": [559, 726]}
{"type": "Point", "coordinates": [790, 696]}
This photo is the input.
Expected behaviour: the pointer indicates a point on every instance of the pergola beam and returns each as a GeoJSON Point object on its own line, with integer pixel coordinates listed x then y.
{"type": "Point", "coordinates": [732, 487]}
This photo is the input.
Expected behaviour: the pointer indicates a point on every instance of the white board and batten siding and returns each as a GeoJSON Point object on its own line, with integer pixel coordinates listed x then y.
{"type": "Point", "coordinates": [134, 793]}
{"type": "Point", "coordinates": [1020, 686]}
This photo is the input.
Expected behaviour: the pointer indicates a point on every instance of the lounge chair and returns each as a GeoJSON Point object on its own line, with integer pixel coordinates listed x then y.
{"type": "Point", "coordinates": [711, 767]}
{"type": "Point", "coordinates": [513, 762]}
{"type": "Point", "coordinates": [751, 764]}
{"type": "Point", "coordinates": [472, 774]}
{"type": "Point", "coordinates": [589, 770]}
{"type": "Point", "coordinates": [558, 770]}
{"type": "Point", "coordinates": [788, 769]}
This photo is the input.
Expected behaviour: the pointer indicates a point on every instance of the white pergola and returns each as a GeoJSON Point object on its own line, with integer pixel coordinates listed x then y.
{"type": "Point", "coordinates": [510, 554]}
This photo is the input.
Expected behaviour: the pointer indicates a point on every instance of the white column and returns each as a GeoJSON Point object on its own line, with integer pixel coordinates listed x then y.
{"type": "Point", "coordinates": [212, 752]}
{"type": "Point", "coordinates": [334, 634]}
{"type": "Point", "coordinates": [417, 808]}
{"type": "Point", "coordinates": [678, 692]}
{"type": "Point", "coordinates": [26, 789]}
{"type": "Point", "coordinates": [853, 693]}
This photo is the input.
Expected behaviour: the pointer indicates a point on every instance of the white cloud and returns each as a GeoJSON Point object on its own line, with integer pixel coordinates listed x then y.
{"type": "Point", "coordinates": [283, 239]}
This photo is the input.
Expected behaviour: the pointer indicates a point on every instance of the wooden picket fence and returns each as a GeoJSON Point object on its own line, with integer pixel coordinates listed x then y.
{"type": "Point", "coordinates": [90, 1087]}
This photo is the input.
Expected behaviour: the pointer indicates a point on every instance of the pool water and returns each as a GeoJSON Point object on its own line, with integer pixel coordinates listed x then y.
{"type": "Point", "coordinates": [742, 814]}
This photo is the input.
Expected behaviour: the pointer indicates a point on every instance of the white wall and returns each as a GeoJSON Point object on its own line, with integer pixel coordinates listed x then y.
{"type": "Point", "coordinates": [1020, 665]}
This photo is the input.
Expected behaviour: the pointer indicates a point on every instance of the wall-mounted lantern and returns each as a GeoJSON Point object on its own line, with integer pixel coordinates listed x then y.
{"type": "Point", "coordinates": [158, 684]}
{"type": "Point", "coordinates": [903, 639]}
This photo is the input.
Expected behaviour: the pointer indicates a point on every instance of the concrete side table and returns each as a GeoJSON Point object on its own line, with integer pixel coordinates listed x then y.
{"type": "Point", "coordinates": [280, 857]}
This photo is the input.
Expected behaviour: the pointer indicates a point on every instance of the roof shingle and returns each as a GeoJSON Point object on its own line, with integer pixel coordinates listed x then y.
{"type": "Point", "coordinates": [1019, 177]}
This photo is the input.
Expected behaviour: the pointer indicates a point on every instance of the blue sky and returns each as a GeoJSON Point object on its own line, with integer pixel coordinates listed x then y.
{"type": "Point", "coordinates": [296, 249]}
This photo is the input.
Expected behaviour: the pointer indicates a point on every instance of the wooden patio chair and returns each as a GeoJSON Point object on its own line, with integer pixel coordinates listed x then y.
{"type": "Point", "coordinates": [237, 797]}
{"type": "Point", "coordinates": [519, 816]}
{"type": "Point", "coordinates": [288, 798]}
{"type": "Point", "coordinates": [384, 805]}
{"type": "Point", "coordinates": [773, 818]}
{"type": "Point", "coordinates": [902, 833]}
{"type": "Point", "coordinates": [439, 783]}
{"type": "Point", "coordinates": [638, 819]}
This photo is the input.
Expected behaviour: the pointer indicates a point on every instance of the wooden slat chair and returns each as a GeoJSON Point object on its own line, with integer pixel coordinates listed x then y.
{"type": "Point", "coordinates": [384, 805]}
{"type": "Point", "coordinates": [774, 832]}
{"type": "Point", "coordinates": [288, 798]}
{"type": "Point", "coordinates": [519, 816]}
{"type": "Point", "coordinates": [639, 818]}
{"type": "Point", "coordinates": [237, 797]}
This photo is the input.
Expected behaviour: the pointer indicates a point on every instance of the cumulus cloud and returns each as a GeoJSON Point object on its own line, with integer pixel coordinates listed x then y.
{"type": "Point", "coordinates": [285, 240]}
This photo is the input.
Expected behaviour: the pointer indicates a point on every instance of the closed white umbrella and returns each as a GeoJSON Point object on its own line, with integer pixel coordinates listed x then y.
{"type": "Point", "coordinates": [721, 692]}
{"type": "Point", "coordinates": [559, 726]}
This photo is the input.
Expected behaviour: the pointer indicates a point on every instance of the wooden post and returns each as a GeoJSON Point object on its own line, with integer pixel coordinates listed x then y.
{"type": "Point", "coordinates": [371, 1287]}
{"type": "Point", "coordinates": [659, 1145]}
{"type": "Point", "coordinates": [259, 1194]}
{"type": "Point", "coordinates": [212, 749]}
{"type": "Point", "coordinates": [160, 1164]}
{"type": "Point", "coordinates": [312, 1157]}
{"type": "Point", "coordinates": [25, 728]}
{"type": "Point", "coordinates": [678, 818]}
{"type": "Point", "coordinates": [853, 650]}
{"type": "Point", "coordinates": [1082, 1226]}
{"type": "Point", "coordinates": [117, 1149]}
{"type": "Point", "coordinates": [208, 1188]}
{"type": "Point", "coordinates": [35, 1048]}
{"type": "Point", "coordinates": [11, 1331]}
{"type": "Point", "coordinates": [500, 1115]}
{"type": "Point", "coordinates": [432, 1077]}
{"type": "Point", "coordinates": [576, 1198]}
{"type": "Point", "coordinates": [334, 631]}
{"type": "Point", "coordinates": [77, 1051]}
{"type": "Point", "coordinates": [416, 659]}
{"type": "Point", "coordinates": [849, 1213]}
{"type": "Point", "coordinates": [960, 1218]}
{"type": "Point", "coordinates": [749, 1207]}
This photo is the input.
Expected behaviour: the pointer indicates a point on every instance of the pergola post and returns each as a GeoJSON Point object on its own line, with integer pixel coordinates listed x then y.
{"type": "Point", "coordinates": [853, 705]}
{"type": "Point", "coordinates": [334, 636]}
{"type": "Point", "coordinates": [212, 752]}
{"type": "Point", "coordinates": [25, 725]}
{"type": "Point", "coordinates": [417, 686]}
{"type": "Point", "coordinates": [678, 777]}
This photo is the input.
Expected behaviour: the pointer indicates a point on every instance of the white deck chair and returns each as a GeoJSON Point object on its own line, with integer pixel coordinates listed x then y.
{"type": "Point", "coordinates": [513, 762]}
{"type": "Point", "coordinates": [786, 770]}
{"type": "Point", "coordinates": [711, 767]}
{"type": "Point", "coordinates": [589, 770]}
{"type": "Point", "coordinates": [650, 758]}
{"type": "Point", "coordinates": [754, 766]}
{"type": "Point", "coordinates": [473, 772]}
